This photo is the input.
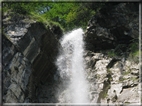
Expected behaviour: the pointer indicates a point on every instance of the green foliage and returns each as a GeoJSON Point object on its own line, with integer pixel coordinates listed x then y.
{"type": "Point", "coordinates": [134, 51]}
{"type": "Point", "coordinates": [111, 53]}
{"type": "Point", "coordinates": [103, 93]}
{"type": "Point", "coordinates": [126, 72]}
{"type": "Point", "coordinates": [134, 47]}
{"type": "Point", "coordinates": [68, 14]}
{"type": "Point", "coordinates": [16, 7]}
{"type": "Point", "coordinates": [39, 18]}
{"type": "Point", "coordinates": [52, 23]}
{"type": "Point", "coordinates": [122, 79]}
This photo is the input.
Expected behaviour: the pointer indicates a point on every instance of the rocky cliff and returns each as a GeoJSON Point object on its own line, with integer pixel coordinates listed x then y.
{"type": "Point", "coordinates": [29, 51]}
{"type": "Point", "coordinates": [113, 27]}
{"type": "Point", "coordinates": [113, 78]}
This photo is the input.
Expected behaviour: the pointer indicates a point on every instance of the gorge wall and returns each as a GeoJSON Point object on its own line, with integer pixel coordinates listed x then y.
{"type": "Point", "coordinates": [113, 78]}
{"type": "Point", "coordinates": [29, 52]}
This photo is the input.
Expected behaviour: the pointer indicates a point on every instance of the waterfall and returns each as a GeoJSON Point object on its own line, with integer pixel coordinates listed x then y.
{"type": "Point", "coordinates": [71, 68]}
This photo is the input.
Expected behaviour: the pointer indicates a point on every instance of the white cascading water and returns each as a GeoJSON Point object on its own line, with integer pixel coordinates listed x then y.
{"type": "Point", "coordinates": [72, 68]}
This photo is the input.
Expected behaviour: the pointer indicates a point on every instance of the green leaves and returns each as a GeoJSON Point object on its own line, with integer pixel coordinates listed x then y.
{"type": "Point", "coordinates": [68, 14]}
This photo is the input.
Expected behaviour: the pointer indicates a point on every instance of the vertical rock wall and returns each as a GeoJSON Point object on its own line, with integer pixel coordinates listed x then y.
{"type": "Point", "coordinates": [113, 27]}
{"type": "Point", "coordinates": [28, 54]}
{"type": "Point", "coordinates": [113, 78]}
{"type": "Point", "coordinates": [16, 72]}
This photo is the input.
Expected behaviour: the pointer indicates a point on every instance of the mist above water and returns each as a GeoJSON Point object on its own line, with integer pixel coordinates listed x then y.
{"type": "Point", "coordinates": [72, 68]}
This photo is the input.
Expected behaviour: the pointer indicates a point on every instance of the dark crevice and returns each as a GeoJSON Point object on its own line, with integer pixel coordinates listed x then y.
{"type": "Point", "coordinates": [129, 86]}
{"type": "Point", "coordinates": [112, 62]}
{"type": "Point", "coordinates": [106, 87]}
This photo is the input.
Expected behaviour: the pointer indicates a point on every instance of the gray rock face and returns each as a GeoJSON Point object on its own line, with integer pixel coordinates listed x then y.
{"type": "Point", "coordinates": [113, 79]}
{"type": "Point", "coordinates": [16, 72]}
{"type": "Point", "coordinates": [113, 27]}
{"type": "Point", "coordinates": [29, 51]}
{"type": "Point", "coordinates": [112, 84]}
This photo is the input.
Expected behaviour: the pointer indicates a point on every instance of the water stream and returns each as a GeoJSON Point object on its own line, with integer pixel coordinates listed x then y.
{"type": "Point", "coordinates": [71, 68]}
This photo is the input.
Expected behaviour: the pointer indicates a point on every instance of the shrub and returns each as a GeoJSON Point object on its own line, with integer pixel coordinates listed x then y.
{"type": "Point", "coordinates": [111, 53]}
{"type": "Point", "coordinates": [134, 51]}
